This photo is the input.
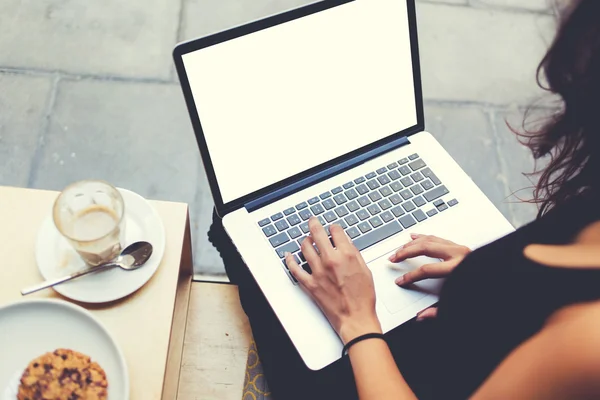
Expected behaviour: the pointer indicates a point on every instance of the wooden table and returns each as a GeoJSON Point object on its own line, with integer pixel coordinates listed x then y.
{"type": "Point", "coordinates": [159, 309]}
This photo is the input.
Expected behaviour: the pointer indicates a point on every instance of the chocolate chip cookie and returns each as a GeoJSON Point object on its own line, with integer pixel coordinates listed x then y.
{"type": "Point", "coordinates": [63, 375]}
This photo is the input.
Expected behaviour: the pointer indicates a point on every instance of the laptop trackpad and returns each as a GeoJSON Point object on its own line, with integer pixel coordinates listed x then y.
{"type": "Point", "coordinates": [394, 297]}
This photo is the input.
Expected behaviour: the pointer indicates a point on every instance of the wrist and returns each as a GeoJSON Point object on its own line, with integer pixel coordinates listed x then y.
{"type": "Point", "coordinates": [355, 328]}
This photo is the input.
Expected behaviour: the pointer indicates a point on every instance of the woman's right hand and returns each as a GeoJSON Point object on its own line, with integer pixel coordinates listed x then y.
{"type": "Point", "coordinates": [449, 252]}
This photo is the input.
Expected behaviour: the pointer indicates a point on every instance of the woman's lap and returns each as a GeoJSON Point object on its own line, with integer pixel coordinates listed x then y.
{"type": "Point", "coordinates": [286, 373]}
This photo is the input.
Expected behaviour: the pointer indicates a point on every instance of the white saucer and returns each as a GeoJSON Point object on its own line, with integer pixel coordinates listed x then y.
{"type": "Point", "coordinates": [33, 327]}
{"type": "Point", "coordinates": [55, 257]}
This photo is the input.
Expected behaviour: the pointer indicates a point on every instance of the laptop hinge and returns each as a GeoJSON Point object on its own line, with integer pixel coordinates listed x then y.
{"type": "Point", "coordinates": [325, 174]}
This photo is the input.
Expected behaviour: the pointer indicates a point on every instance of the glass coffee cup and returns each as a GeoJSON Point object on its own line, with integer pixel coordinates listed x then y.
{"type": "Point", "coordinates": [90, 215]}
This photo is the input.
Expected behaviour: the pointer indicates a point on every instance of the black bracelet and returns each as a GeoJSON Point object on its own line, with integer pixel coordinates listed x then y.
{"type": "Point", "coordinates": [360, 339]}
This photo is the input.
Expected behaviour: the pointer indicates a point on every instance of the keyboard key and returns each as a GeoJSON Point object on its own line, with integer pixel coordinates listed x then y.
{"type": "Point", "coordinates": [279, 239]}
{"type": "Point", "coordinates": [293, 220]}
{"type": "Point", "coordinates": [385, 191]}
{"type": "Point", "coordinates": [387, 216]}
{"type": "Point", "coordinates": [383, 179]}
{"type": "Point", "coordinates": [348, 185]}
{"type": "Point", "coordinates": [277, 216]}
{"type": "Point", "coordinates": [281, 225]}
{"type": "Point", "coordinates": [431, 213]}
{"type": "Point", "coordinates": [413, 156]}
{"type": "Point", "coordinates": [408, 206]}
{"type": "Point", "coordinates": [291, 247]}
{"type": "Point", "coordinates": [341, 223]}
{"type": "Point", "coordinates": [376, 222]}
{"type": "Point", "coordinates": [362, 214]}
{"type": "Point", "coordinates": [429, 174]}
{"type": "Point", "coordinates": [351, 219]}
{"type": "Point", "coordinates": [374, 209]}
{"type": "Point", "coordinates": [406, 181]}
{"type": "Point", "coordinates": [373, 184]}
{"type": "Point", "coordinates": [313, 200]}
{"type": "Point", "coordinates": [407, 221]}
{"type": "Point", "coordinates": [269, 230]}
{"type": "Point", "coordinates": [364, 227]}
{"type": "Point", "coordinates": [352, 206]}
{"type": "Point", "coordinates": [362, 189]}
{"type": "Point", "coordinates": [264, 222]}
{"type": "Point", "coordinates": [443, 207]}
{"type": "Point", "coordinates": [438, 202]}
{"type": "Point", "coordinates": [306, 267]}
{"type": "Point", "coordinates": [370, 175]}
{"type": "Point", "coordinates": [403, 161]}
{"type": "Point", "coordinates": [406, 194]}
{"type": "Point", "coordinates": [427, 185]}
{"type": "Point", "coordinates": [305, 214]}
{"type": "Point", "coordinates": [419, 215]}
{"type": "Point", "coordinates": [328, 204]}
{"type": "Point", "coordinates": [325, 195]}
{"type": "Point", "coordinates": [289, 211]}
{"type": "Point", "coordinates": [417, 177]}
{"type": "Point", "coordinates": [375, 196]}
{"type": "Point", "coordinates": [317, 209]}
{"type": "Point", "coordinates": [398, 211]}
{"type": "Point", "coordinates": [364, 201]}
{"type": "Point", "coordinates": [396, 199]}
{"type": "Point", "coordinates": [351, 194]}
{"type": "Point", "coordinates": [393, 165]}
{"type": "Point", "coordinates": [337, 190]}
{"type": "Point", "coordinates": [300, 243]}
{"type": "Point", "coordinates": [296, 258]}
{"type": "Point", "coordinates": [435, 193]}
{"type": "Point", "coordinates": [304, 227]}
{"type": "Point", "coordinates": [417, 164]}
{"type": "Point", "coordinates": [416, 189]}
{"type": "Point", "coordinates": [384, 204]}
{"type": "Point", "coordinates": [340, 199]}
{"type": "Point", "coordinates": [419, 201]}
{"type": "Point", "coordinates": [321, 220]}
{"type": "Point", "coordinates": [377, 236]}
{"type": "Point", "coordinates": [294, 232]}
{"type": "Point", "coordinates": [394, 175]}
{"type": "Point", "coordinates": [330, 216]}
{"type": "Point", "coordinates": [359, 180]}
{"type": "Point", "coordinates": [353, 232]}
{"type": "Point", "coordinates": [341, 211]}
{"type": "Point", "coordinates": [453, 202]}
{"type": "Point", "coordinates": [404, 170]}
{"type": "Point", "coordinates": [381, 170]}
{"type": "Point", "coordinates": [396, 186]}
{"type": "Point", "coordinates": [300, 255]}
{"type": "Point", "coordinates": [301, 206]}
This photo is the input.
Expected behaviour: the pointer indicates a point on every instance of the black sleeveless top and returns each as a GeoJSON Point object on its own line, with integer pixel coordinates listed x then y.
{"type": "Point", "coordinates": [497, 298]}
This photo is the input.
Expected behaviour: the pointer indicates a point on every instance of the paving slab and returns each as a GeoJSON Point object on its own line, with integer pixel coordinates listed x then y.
{"type": "Point", "coordinates": [481, 55]}
{"type": "Point", "coordinates": [108, 37]}
{"type": "Point", "coordinates": [23, 108]}
{"type": "Point", "coordinates": [466, 133]}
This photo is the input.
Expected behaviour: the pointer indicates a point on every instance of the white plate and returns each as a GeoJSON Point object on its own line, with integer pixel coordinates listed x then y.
{"type": "Point", "coordinates": [34, 327]}
{"type": "Point", "coordinates": [55, 257]}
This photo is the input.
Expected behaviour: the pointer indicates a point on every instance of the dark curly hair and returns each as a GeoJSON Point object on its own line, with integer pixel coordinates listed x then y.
{"type": "Point", "coordinates": [570, 139]}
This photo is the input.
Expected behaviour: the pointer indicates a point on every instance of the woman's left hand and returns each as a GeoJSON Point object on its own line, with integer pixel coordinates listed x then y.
{"type": "Point", "coordinates": [340, 283]}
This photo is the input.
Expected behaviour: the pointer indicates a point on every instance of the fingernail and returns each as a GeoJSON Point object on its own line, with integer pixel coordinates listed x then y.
{"type": "Point", "coordinates": [392, 257]}
{"type": "Point", "coordinates": [287, 253]}
{"type": "Point", "coordinates": [420, 318]}
{"type": "Point", "coordinates": [400, 280]}
{"type": "Point", "coordinates": [414, 235]}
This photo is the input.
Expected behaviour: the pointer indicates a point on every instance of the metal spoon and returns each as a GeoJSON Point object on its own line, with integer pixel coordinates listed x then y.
{"type": "Point", "coordinates": [132, 257]}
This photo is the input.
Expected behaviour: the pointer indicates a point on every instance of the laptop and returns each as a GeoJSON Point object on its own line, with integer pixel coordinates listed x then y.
{"type": "Point", "coordinates": [319, 111]}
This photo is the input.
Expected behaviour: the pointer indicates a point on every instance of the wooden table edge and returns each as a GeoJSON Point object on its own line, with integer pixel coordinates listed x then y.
{"type": "Point", "coordinates": [180, 312]}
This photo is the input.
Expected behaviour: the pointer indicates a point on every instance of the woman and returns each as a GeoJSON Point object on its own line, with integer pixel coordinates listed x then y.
{"type": "Point", "coordinates": [518, 318]}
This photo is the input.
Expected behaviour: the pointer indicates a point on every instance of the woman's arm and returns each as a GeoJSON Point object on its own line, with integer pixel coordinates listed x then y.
{"type": "Point", "coordinates": [562, 361]}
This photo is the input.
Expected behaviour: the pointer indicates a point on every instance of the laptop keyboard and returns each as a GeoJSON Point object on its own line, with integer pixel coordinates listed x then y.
{"type": "Point", "coordinates": [370, 208]}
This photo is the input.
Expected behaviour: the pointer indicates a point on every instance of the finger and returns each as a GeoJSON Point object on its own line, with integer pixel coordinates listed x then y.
{"type": "Point", "coordinates": [423, 248]}
{"type": "Point", "coordinates": [297, 271]}
{"type": "Point", "coordinates": [340, 239]}
{"type": "Point", "coordinates": [427, 313]}
{"type": "Point", "coordinates": [311, 255]}
{"type": "Point", "coordinates": [319, 236]}
{"type": "Point", "coordinates": [417, 238]}
{"type": "Point", "coordinates": [435, 270]}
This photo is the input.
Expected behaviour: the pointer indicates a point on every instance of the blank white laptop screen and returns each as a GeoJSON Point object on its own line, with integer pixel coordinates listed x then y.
{"type": "Point", "coordinates": [280, 101]}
